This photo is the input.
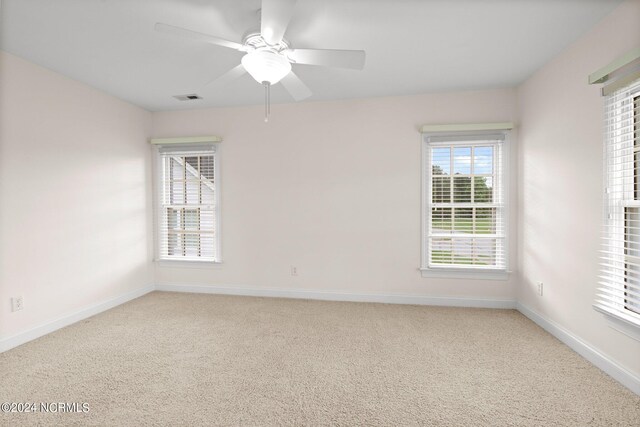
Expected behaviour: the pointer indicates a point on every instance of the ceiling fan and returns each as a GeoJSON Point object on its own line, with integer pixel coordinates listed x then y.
{"type": "Point", "coordinates": [269, 56]}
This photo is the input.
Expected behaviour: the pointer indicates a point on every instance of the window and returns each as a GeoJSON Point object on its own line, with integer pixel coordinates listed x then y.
{"type": "Point", "coordinates": [464, 203]}
{"type": "Point", "coordinates": [188, 208]}
{"type": "Point", "coordinates": [619, 286]}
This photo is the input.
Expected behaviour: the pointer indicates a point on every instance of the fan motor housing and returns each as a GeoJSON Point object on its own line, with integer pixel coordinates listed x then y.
{"type": "Point", "coordinates": [254, 40]}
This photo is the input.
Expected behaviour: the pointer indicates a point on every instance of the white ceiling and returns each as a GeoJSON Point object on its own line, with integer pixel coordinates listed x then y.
{"type": "Point", "coordinates": [413, 46]}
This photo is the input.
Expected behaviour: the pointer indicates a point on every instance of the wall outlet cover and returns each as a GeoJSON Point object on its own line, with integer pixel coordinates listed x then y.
{"type": "Point", "coordinates": [17, 304]}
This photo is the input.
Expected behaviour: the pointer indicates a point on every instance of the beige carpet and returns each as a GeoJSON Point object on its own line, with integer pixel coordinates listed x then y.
{"type": "Point", "coordinates": [181, 359]}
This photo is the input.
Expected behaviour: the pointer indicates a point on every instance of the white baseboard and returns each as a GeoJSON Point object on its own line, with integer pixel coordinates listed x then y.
{"type": "Point", "coordinates": [602, 361]}
{"type": "Point", "coordinates": [341, 296]}
{"type": "Point", "coordinates": [46, 328]}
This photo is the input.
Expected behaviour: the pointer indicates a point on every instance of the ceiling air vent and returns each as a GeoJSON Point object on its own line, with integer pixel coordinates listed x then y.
{"type": "Point", "coordinates": [189, 97]}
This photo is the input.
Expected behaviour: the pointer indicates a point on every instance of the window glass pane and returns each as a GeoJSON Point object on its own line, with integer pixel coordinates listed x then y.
{"type": "Point", "coordinates": [485, 220]}
{"type": "Point", "coordinates": [462, 160]}
{"type": "Point", "coordinates": [174, 220]}
{"type": "Point", "coordinates": [176, 192]}
{"type": "Point", "coordinates": [462, 189]}
{"type": "Point", "coordinates": [483, 160]}
{"type": "Point", "coordinates": [176, 168]}
{"type": "Point", "coordinates": [206, 168]}
{"type": "Point", "coordinates": [485, 251]}
{"type": "Point", "coordinates": [441, 220]}
{"type": "Point", "coordinates": [207, 245]}
{"type": "Point", "coordinates": [441, 161]}
{"type": "Point", "coordinates": [441, 251]}
{"type": "Point", "coordinates": [191, 219]}
{"type": "Point", "coordinates": [193, 192]}
{"type": "Point", "coordinates": [632, 253]}
{"type": "Point", "coordinates": [207, 220]}
{"type": "Point", "coordinates": [441, 189]}
{"type": "Point", "coordinates": [482, 189]}
{"type": "Point", "coordinates": [463, 220]}
{"type": "Point", "coordinates": [191, 244]}
{"type": "Point", "coordinates": [207, 193]}
{"type": "Point", "coordinates": [174, 247]}
{"type": "Point", "coordinates": [463, 249]}
{"type": "Point", "coordinates": [193, 166]}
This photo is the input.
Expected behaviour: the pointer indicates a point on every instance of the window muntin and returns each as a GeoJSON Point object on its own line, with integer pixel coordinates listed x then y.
{"type": "Point", "coordinates": [188, 209]}
{"type": "Point", "coordinates": [465, 211]}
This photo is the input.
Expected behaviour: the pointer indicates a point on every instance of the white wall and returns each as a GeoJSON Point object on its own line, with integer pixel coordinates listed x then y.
{"type": "Point", "coordinates": [332, 188]}
{"type": "Point", "coordinates": [75, 196]}
{"type": "Point", "coordinates": [560, 191]}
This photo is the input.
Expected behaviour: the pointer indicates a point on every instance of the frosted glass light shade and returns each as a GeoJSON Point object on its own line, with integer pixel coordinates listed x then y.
{"type": "Point", "coordinates": [266, 66]}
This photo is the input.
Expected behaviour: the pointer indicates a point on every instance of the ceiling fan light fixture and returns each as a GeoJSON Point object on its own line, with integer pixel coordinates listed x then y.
{"type": "Point", "coordinates": [266, 66]}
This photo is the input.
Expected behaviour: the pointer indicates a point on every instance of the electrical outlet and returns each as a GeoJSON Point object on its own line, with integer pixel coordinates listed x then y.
{"type": "Point", "coordinates": [16, 304]}
{"type": "Point", "coordinates": [294, 270]}
{"type": "Point", "coordinates": [540, 288]}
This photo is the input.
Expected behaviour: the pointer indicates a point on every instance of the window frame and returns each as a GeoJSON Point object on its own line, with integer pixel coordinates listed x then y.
{"type": "Point", "coordinates": [465, 137]}
{"type": "Point", "coordinates": [635, 126]}
{"type": "Point", "coordinates": [617, 212]}
{"type": "Point", "coordinates": [158, 186]}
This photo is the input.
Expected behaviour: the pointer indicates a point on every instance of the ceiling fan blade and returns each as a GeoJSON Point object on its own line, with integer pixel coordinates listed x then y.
{"type": "Point", "coordinates": [353, 59]}
{"type": "Point", "coordinates": [295, 87]}
{"type": "Point", "coordinates": [194, 35]}
{"type": "Point", "coordinates": [227, 77]}
{"type": "Point", "coordinates": [276, 15]}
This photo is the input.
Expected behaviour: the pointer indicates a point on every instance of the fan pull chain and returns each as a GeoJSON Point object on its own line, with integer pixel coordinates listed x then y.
{"type": "Point", "coordinates": [267, 101]}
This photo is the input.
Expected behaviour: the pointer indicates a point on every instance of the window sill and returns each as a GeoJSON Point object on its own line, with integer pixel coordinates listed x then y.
{"type": "Point", "coordinates": [182, 263]}
{"type": "Point", "coordinates": [620, 323]}
{"type": "Point", "coordinates": [464, 273]}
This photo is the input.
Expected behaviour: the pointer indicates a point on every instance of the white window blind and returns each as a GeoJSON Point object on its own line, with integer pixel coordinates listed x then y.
{"type": "Point", "coordinates": [464, 214]}
{"type": "Point", "coordinates": [188, 211]}
{"type": "Point", "coordinates": [619, 281]}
